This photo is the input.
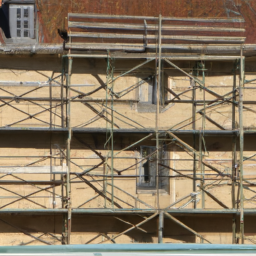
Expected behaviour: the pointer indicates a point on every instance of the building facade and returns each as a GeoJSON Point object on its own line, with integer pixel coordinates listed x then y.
{"type": "Point", "coordinates": [126, 122]}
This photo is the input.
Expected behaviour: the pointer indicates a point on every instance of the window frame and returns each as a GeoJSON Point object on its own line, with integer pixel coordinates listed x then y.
{"type": "Point", "coordinates": [23, 14]}
{"type": "Point", "coordinates": [151, 183]}
{"type": "Point", "coordinates": [143, 187]}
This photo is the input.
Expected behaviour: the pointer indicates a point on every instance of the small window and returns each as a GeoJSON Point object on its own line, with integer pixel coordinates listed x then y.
{"type": "Point", "coordinates": [18, 24]}
{"type": "Point", "coordinates": [18, 13]}
{"type": "Point", "coordinates": [148, 167]}
{"type": "Point", "coordinates": [146, 181]}
{"type": "Point", "coordinates": [147, 95]}
{"type": "Point", "coordinates": [26, 13]}
{"type": "Point", "coordinates": [25, 24]}
{"type": "Point", "coordinates": [146, 92]}
{"type": "Point", "coordinates": [21, 20]}
{"type": "Point", "coordinates": [26, 33]}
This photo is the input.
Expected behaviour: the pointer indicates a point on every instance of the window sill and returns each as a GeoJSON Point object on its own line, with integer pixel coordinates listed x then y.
{"type": "Point", "coordinates": [145, 107]}
{"type": "Point", "coordinates": [152, 191]}
{"type": "Point", "coordinates": [20, 40]}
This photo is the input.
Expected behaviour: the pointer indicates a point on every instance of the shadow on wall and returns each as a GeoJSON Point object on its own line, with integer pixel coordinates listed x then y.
{"type": "Point", "coordinates": [109, 225]}
{"type": "Point", "coordinates": [113, 225]}
{"type": "Point", "coordinates": [4, 20]}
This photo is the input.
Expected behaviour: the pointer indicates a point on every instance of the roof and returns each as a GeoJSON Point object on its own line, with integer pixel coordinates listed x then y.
{"type": "Point", "coordinates": [52, 14]}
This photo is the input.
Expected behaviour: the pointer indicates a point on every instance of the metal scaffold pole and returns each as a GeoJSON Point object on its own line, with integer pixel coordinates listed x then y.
{"type": "Point", "coordinates": [110, 131]}
{"type": "Point", "coordinates": [234, 158]}
{"type": "Point", "coordinates": [67, 221]}
{"type": "Point", "coordinates": [202, 65]}
{"type": "Point", "coordinates": [157, 109]}
{"type": "Point", "coordinates": [241, 138]}
{"type": "Point", "coordinates": [112, 144]}
{"type": "Point", "coordinates": [193, 85]}
{"type": "Point", "coordinates": [160, 227]}
{"type": "Point", "coordinates": [161, 216]}
{"type": "Point", "coordinates": [62, 159]}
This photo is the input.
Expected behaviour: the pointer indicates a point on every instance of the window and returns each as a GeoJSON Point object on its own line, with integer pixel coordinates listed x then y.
{"type": "Point", "coordinates": [147, 92]}
{"type": "Point", "coordinates": [26, 33]}
{"type": "Point", "coordinates": [147, 95]}
{"type": "Point", "coordinates": [18, 13]}
{"type": "Point", "coordinates": [18, 24]}
{"type": "Point", "coordinates": [21, 20]}
{"type": "Point", "coordinates": [25, 24]}
{"type": "Point", "coordinates": [147, 176]}
{"type": "Point", "coordinates": [26, 13]}
{"type": "Point", "coordinates": [146, 181]}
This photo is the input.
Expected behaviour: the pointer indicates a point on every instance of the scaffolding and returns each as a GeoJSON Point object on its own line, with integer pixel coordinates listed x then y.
{"type": "Point", "coordinates": [155, 44]}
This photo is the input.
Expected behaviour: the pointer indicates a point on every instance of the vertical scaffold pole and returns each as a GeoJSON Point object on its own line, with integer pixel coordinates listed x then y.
{"type": "Point", "coordinates": [202, 138]}
{"type": "Point", "coordinates": [112, 144]}
{"type": "Point", "coordinates": [234, 158]}
{"type": "Point", "coordinates": [62, 92]}
{"type": "Point", "coordinates": [63, 176]}
{"type": "Point", "coordinates": [110, 140]}
{"type": "Point", "coordinates": [68, 188]}
{"type": "Point", "coordinates": [201, 166]}
{"type": "Point", "coordinates": [157, 108]}
{"type": "Point", "coordinates": [192, 83]}
{"type": "Point", "coordinates": [51, 124]}
{"type": "Point", "coordinates": [241, 133]}
{"type": "Point", "coordinates": [160, 227]}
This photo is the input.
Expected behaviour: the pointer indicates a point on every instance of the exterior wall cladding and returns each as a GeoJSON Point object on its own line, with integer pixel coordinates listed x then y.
{"type": "Point", "coordinates": [146, 145]}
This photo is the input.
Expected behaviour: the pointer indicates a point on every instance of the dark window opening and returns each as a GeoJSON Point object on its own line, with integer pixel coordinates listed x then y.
{"type": "Point", "coordinates": [147, 176]}
{"type": "Point", "coordinates": [18, 24]}
{"type": "Point", "coordinates": [147, 94]}
{"type": "Point", "coordinates": [18, 13]}
{"type": "Point", "coordinates": [25, 13]}
{"type": "Point", "coordinates": [146, 171]}
{"type": "Point", "coordinates": [26, 33]}
{"type": "Point", "coordinates": [25, 24]}
{"type": "Point", "coordinates": [18, 33]}
{"type": "Point", "coordinates": [146, 166]}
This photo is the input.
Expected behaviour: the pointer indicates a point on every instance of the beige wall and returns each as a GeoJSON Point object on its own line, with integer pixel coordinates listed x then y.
{"type": "Point", "coordinates": [36, 151]}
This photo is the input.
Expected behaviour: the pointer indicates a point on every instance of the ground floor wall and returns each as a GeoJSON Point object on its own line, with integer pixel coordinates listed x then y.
{"type": "Point", "coordinates": [93, 229]}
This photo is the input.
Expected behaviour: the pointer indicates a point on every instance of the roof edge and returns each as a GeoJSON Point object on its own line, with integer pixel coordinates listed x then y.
{"type": "Point", "coordinates": [32, 49]}
{"type": "Point", "coordinates": [18, 1]}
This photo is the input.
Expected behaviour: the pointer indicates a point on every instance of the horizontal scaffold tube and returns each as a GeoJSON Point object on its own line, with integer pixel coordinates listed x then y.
{"type": "Point", "coordinates": [175, 48]}
{"type": "Point", "coordinates": [127, 17]}
{"type": "Point", "coordinates": [140, 27]}
{"type": "Point", "coordinates": [207, 39]}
